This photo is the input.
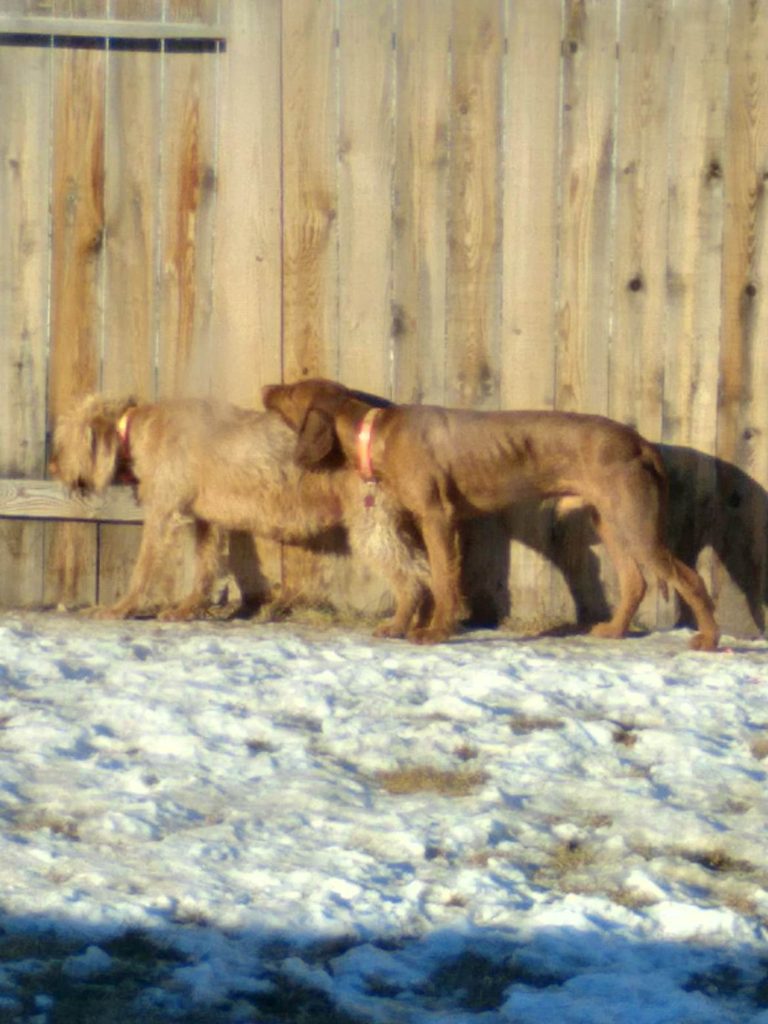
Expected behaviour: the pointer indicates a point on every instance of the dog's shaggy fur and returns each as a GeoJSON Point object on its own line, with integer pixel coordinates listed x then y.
{"type": "Point", "coordinates": [446, 464]}
{"type": "Point", "coordinates": [229, 469]}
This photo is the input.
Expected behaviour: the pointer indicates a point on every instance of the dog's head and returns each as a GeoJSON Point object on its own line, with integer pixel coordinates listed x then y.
{"type": "Point", "coordinates": [86, 444]}
{"type": "Point", "coordinates": [318, 410]}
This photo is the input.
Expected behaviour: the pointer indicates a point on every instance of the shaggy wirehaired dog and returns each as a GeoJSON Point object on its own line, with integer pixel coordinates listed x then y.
{"type": "Point", "coordinates": [228, 469]}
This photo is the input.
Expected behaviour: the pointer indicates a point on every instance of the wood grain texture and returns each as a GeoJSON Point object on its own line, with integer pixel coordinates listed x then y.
{"type": "Point", "coordinates": [366, 159]}
{"type": "Point", "coordinates": [585, 278]}
{"type": "Point", "coordinates": [24, 262]}
{"type": "Point", "coordinates": [695, 232]}
{"type": "Point", "coordinates": [638, 344]}
{"type": "Point", "coordinates": [247, 314]}
{"type": "Point", "coordinates": [310, 198]}
{"type": "Point", "coordinates": [187, 196]}
{"type": "Point", "coordinates": [636, 365]}
{"type": "Point", "coordinates": [698, 83]}
{"type": "Point", "coordinates": [77, 279]}
{"type": "Point", "coordinates": [531, 209]}
{"type": "Point", "coordinates": [78, 224]}
{"type": "Point", "coordinates": [421, 201]}
{"type": "Point", "coordinates": [474, 218]}
{"type": "Point", "coordinates": [310, 228]}
{"type": "Point", "coordinates": [101, 28]}
{"type": "Point", "coordinates": [132, 147]}
{"type": "Point", "coordinates": [743, 411]}
{"type": "Point", "coordinates": [589, 88]}
{"type": "Point", "coordinates": [47, 499]}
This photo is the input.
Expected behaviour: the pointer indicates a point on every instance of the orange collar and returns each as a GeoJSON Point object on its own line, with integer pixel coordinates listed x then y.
{"type": "Point", "coordinates": [364, 439]}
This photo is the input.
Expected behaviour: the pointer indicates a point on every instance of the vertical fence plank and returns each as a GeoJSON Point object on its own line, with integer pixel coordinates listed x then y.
{"type": "Point", "coordinates": [474, 225]}
{"type": "Point", "coordinates": [695, 221]}
{"type": "Point", "coordinates": [473, 334]}
{"type": "Point", "coordinates": [24, 259]}
{"type": "Point", "coordinates": [77, 266]}
{"type": "Point", "coordinates": [248, 272]}
{"type": "Point", "coordinates": [310, 200]}
{"type": "Point", "coordinates": [587, 186]}
{"type": "Point", "coordinates": [531, 173]}
{"type": "Point", "coordinates": [366, 86]}
{"type": "Point", "coordinates": [694, 248]}
{"type": "Point", "coordinates": [636, 368]}
{"type": "Point", "coordinates": [187, 196]}
{"type": "Point", "coordinates": [636, 361]}
{"type": "Point", "coordinates": [742, 527]}
{"type": "Point", "coordinates": [247, 315]}
{"type": "Point", "coordinates": [589, 88]}
{"type": "Point", "coordinates": [310, 225]}
{"type": "Point", "coordinates": [421, 200]}
{"type": "Point", "coordinates": [131, 207]}
{"type": "Point", "coordinates": [130, 293]}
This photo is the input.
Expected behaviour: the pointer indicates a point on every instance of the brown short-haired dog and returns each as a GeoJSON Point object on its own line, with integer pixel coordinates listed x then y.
{"type": "Point", "coordinates": [228, 468]}
{"type": "Point", "coordinates": [446, 464]}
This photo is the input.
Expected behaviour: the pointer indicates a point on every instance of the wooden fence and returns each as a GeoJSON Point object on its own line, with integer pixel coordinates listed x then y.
{"type": "Point", "coordinates": [493, 203]}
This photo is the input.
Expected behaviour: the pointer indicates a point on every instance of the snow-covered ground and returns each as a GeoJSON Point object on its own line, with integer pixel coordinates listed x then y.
{"type": "Point", "coordinates": [492, 830]}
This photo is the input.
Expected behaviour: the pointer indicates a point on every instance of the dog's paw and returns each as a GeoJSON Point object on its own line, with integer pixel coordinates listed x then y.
{"type": "Point", "coordinates": [389, 630]}
{"type": "Point", "coordinates": [182, 613]}
{"type": "Point", "coordinates": [106, 612]}
{"type": "Point", "coordinates": [703, 642]}
{"type": "Point", "coordinates": [429, 635]}
{"type": "Point", "coordinates": [606, 631]}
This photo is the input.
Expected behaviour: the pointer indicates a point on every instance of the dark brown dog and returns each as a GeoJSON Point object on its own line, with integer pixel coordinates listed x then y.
{"type": "Point", "coordinates": [446, 464]}
{"type": "Point", "coordinates": [228, 469]}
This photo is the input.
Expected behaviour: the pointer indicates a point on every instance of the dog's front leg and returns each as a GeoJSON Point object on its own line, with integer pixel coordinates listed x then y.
{"type": "Point", "coordinates": [207, 552]}
{"type": "Point", "coordinates": [154, 539]}
{"type": "Point", "coordinates": [441, 538]}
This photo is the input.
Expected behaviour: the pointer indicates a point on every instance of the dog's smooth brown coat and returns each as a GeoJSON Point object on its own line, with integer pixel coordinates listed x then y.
{"type": "Point", "coordinates": [443, 465]}
{"type": "Point", "coordinates": [233, 469]}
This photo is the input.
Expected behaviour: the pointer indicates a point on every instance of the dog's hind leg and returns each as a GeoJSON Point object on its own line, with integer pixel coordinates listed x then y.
{"type": "Point", "coordinates": [632, 585]}
{"type": "Point", "coordinates": [693, 590]}
{"type": "Point", "coordinates": [207, 556]}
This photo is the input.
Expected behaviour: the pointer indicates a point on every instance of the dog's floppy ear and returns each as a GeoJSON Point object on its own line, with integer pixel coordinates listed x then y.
{"type": "Point", "coordinates": [104, 443]}
{"type": "Point", "coordinates": [317, 438]}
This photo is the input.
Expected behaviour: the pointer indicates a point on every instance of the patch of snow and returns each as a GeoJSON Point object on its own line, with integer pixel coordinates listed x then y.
{"type": "Point", "coordinates": [218, 787]}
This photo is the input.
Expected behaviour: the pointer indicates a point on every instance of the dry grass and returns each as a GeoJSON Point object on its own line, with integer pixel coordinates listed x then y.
{"type": "Point", "coordinates": [718, 861]}
{"type": "Point", "coordinates": [521, 725]}
{"type": "Point", "coordinates": [625, 736]}
{"type": "Point", "coordinates": [58, 824]}
{"type": "Point", "coordinates": [412, 779]}
{"type": "Point", "coordinates": [571, 856]}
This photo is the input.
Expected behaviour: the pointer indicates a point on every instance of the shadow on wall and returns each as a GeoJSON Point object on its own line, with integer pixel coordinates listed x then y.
{"type": "Point", "coordinates": [712, 505]}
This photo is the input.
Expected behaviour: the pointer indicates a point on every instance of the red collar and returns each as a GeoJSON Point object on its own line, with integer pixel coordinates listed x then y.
{"type": "Point", "coordinates": [364, 441]}
{"type": "Point", "coordinates": [125, 472]}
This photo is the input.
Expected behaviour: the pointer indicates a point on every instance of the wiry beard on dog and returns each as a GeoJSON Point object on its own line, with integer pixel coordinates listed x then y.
{"type": "Point", "coordinates": [86, 451]}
